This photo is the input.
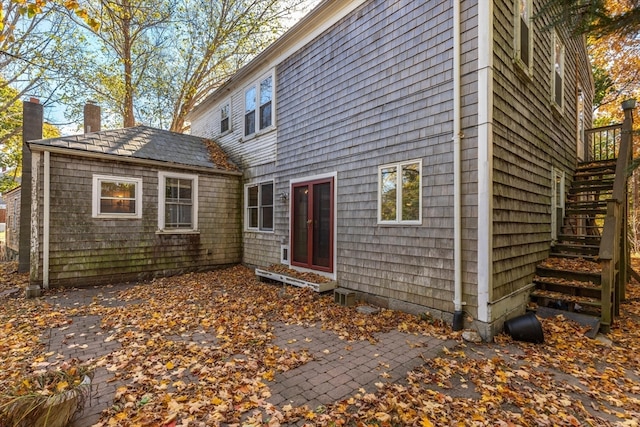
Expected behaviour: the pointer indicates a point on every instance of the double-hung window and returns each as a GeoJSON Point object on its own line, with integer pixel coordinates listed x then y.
{"type": "Point", "coordinates": [557, 75]}
{"type": "Point", "coordinates": [259, 206]}
{"type": "Point", "coordinates": [116, 197]}
{"type": "Point", "coordinates": [400, 193]}
{"type": "Point", "coordinates": [524, 35]}
{"type": "Point", "coordinates": [177, 202]}
{"type": "Point", "coordinates": [258, 106]}
{"type": "Point", "coordinates": [225, 117]}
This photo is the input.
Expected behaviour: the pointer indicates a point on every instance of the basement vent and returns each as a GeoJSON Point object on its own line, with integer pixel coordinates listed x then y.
{"type": "Point", "coordinates": [284, 254]}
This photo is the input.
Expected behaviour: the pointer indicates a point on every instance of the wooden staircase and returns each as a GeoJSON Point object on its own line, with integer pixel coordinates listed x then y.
{"type": "Point", "coordinates": [570, 279]}
{"type": "Point", "coordinates": [589, 264]}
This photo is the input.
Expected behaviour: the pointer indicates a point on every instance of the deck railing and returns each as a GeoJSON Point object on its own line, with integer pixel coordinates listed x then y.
{"type": "Point", "coordinates": [614, 253]}
{"type": "Point", "coordinates": [603, 143]}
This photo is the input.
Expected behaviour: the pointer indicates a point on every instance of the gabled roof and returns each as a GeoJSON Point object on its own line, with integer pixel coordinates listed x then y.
{"type": "Point", "coordinates": [143, 143]}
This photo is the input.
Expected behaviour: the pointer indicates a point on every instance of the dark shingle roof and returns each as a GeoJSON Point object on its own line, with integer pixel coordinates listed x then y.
{"type": "Point", "coordinates": [143, 142]}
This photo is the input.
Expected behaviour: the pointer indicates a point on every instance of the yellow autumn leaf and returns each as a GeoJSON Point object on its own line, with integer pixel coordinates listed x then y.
{"type": "Point", "coordinates": [61, 386]}
{"type": "Point", "coordinates": [425, 422]}
{"type": "Point", "coordinates": [169, 365]}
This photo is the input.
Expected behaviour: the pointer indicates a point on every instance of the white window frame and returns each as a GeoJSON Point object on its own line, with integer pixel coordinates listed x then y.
{"type": "Point", "coordinates": [556, 39]}
{"type": "Point", "coordinates": [162, 184]}
{"type": "Point", "coordinates": [97, 196]}
{"type": "Point", "coordinates": [518, 58]}
{"type": "Point", "coordinates": [256, 86]}
{"type": "Point", "coordinates": [399, 220]}
{"type": "Point", "coordinates": [226, 103]}
{"type": "Point", "coordinates": [259, 207]}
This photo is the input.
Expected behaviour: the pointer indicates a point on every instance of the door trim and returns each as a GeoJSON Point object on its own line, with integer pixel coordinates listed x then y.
{"type": "Point", "coordinates": [333, 175]}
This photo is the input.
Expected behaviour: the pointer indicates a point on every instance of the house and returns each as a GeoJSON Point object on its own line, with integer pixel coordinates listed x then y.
{"type": "Point", "coordinates": [128, 204]}
{"type": "Point", "coordinates": [12, 235]}
{"type": "Point", "coordinates": [415, 151]}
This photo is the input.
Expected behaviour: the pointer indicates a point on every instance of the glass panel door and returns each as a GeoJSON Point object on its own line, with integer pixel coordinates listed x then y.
{"type": "Point", "coordinates": [300, 216]}
{"type": "Point", "coordinates": [312, 225]}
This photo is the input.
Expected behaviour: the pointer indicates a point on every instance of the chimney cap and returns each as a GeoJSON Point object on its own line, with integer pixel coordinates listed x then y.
{"type": "Point", "coordinates": [34, 100]}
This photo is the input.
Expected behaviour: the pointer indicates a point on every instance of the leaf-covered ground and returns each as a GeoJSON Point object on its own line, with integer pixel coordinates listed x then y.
{"type": "Point", "coordinates": [569, 380]}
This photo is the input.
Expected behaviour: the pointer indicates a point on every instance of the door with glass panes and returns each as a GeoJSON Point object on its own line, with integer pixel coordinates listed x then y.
{"type": "Point", "coordinates": [312, 224]}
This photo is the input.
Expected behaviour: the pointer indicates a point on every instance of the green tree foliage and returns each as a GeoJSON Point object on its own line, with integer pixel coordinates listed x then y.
{"type": "Point", "coordinates": [11, 135]}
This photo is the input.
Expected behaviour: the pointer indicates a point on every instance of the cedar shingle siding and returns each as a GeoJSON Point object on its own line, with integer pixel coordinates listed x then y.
{"type": "Point", "coordinates": [377, 89]}
{"type": "Point", "coordinates": [530, 138]}
{"type": "Point", "coordinates": [85, 250]}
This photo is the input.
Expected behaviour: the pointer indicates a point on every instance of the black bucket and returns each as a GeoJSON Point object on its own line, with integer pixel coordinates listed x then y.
{"type": "Point", "coordinates": [525, 328]}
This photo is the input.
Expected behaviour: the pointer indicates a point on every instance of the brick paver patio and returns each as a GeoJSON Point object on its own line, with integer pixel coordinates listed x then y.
{"type": "Point", "coordinates": [338, 370]}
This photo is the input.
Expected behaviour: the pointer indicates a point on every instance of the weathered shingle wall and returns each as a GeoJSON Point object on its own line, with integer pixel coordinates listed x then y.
{"type": "Point", "coordinates": [376, 89]}
{"type": "Point", "coordinates": [86, 250]}
{"type": "Point", "coordinates": [530, 138]}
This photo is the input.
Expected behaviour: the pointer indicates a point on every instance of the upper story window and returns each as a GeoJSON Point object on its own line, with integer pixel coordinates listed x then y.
{"type": "Point", "coordinates": [116, 197]}
{"type": "Point", "coordinates": [258, 106]}
{"type": "Point", "coordinates": [557, 75]}
{"type": "Point", "coordinates": [400, 193]}
{"type": "Point", "coordinates": [259, 206]}
{"type": "Point", "coordinates": [177, 202]}
{"type": "Point", "coordinates": [524, 35]}
{"type": "Point", "coordinates": [266, 94]}
{"type": "Point", "coordinates": [225, 117]}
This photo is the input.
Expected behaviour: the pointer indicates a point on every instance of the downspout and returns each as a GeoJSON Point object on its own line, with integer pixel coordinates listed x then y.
{"type": "Point", "coordinates": [45, 231]}
{"type": "Point", "coordinates": [458, 317]}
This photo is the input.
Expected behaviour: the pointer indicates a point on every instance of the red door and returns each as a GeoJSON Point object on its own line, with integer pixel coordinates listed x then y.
{"type": "Point", "coordinates": [312, 224]}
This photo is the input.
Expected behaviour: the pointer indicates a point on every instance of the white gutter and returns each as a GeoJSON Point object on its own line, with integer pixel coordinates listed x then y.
{"type": "Point", "coordinates": [457, 175]}
{"type": "Point", "coordinates": [45, 231]}
{"type": "Point", "coordinates": [485, 158]}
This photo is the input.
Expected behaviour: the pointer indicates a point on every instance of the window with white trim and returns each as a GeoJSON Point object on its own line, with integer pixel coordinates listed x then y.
{"type": "Point", "coordinates": [225, 117]}
{"type": "Point", "coordinates": [557, 74]}
{"type": "Point", "coordinates": [524, 35]}
{"type": "Point", "coordinates": [259, 206]}
{"type": "Point", "coordinates": [400, 193]}
{"type": "Point", "coordinates": [258, 106]}
{"type": "Point", "coordinates": [116, 197]}
{"type": "Point", "coordinates": [177, 202]}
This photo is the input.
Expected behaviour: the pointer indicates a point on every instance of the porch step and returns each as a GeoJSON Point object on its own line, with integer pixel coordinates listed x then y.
{"type": "Point", "coordinates": [580, 239]}
{"type": "Point", "coordinates": [601, 167]}
{"type": "Point", "coordinates": [568, 287]}
{"type": "Point", "coordinates": [572, 248]}
{"type": "Point", "coordinates": [569, 275]}
{"type": "Point", "coordinates": [566, 302]}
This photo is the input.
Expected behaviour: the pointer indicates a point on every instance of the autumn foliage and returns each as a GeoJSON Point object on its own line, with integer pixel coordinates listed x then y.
{"type": "Point", "coordinates": [225, 379]}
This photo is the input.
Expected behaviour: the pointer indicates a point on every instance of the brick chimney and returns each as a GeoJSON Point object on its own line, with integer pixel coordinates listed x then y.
{"type": "Point", "coordinates": [91, 117]}
{"type": "Point", "coordinates": [32, 122]}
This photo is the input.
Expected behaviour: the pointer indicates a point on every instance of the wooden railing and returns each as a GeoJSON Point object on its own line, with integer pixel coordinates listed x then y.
{"type": "Point", "coordinates": [602, 143]}
{"type": "Point", "coordinates": [614, 253]}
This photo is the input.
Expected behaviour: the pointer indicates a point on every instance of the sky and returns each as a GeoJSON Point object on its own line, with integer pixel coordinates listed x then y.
{"type": "Point", "coordinates": [55, 113]}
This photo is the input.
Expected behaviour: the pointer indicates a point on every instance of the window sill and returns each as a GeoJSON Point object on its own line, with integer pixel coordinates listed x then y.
{"type": "Point", "coordinates": [258, 134]}
{"type": "Point", "coordinates": [524, 73]}
{"type": "Point", "coordinates": [255, 230]}
{"type": "Point", "coordinates": [117, 217]}
{"type": "Point", "coordinates": [556, 109]}
{"type": "Point", "coordinates": [400, 224]}
{"type": "Point", "coordinates": [176, 231]}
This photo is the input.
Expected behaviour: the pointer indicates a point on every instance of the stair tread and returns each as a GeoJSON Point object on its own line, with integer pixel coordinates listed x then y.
{"type": "Point", "coordinates": [574, 266]}
{"type": "Point", "coordinates": [575, 245]}
{"type": "Point", "coordinates": [565, 297]}
{"type": "Point", "coordinates": [578, 237]}
{"type": "Point", "coordinates": [569, 283]}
